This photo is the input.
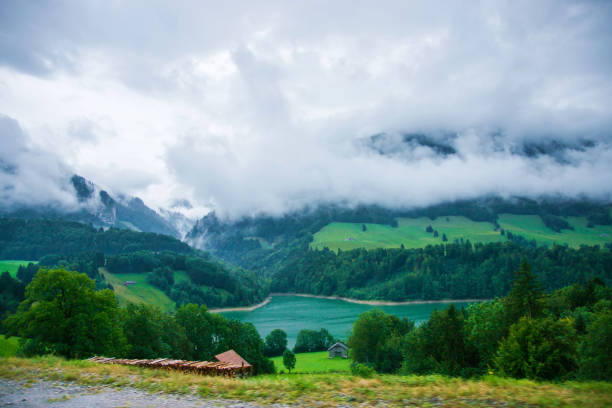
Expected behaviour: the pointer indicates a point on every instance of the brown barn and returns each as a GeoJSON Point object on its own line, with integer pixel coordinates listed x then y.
{"type": "Point", "coordinates": [338, 350]}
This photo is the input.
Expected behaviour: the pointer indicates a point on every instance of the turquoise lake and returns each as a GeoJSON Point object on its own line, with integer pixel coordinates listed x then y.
{"type": "Point", "coordinates": [294, 313]}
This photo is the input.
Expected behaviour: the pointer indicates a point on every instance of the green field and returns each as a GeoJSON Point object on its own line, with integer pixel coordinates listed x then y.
{"type": "Point", "coordinates": [411, 232]}
{"type": "Point", "coordinates": [318, 362]}
{"type": "Point", "coordinates": [140, 292]}
{"type": "Point", "coordinates": [8, 346]}
{"type": "Point", "coordinates": [12, 266]}
{"type": "Point", "coordinates": [532, 227]}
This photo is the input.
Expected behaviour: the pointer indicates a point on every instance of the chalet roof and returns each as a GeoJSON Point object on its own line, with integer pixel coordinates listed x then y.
{"type": "Point", "coordinates": [338, 344]}
{"type": "Point", "coordinates": [232, 358]}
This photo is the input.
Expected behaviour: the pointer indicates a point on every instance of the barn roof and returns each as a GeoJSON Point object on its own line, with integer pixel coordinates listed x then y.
{"type": "Point", "coordinates": [232, 358]}
{"type": "Point", "coordinates": [338, 344]}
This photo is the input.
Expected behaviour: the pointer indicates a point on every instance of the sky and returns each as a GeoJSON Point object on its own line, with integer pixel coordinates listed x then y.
{"type": "Point", "coordinates": [246, 107]}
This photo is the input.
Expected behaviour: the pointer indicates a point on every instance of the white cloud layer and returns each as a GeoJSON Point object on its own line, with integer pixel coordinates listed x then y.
{"type": "Point", "coordinates": [247, 107]}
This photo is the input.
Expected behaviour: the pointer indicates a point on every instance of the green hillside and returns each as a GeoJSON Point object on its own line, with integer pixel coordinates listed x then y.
{"type": "Point", "coordinates": [532, 227]}
{"type": "Point", "coordinates": [12, 266]}
{"type": "Point", "coordinates": [411, 232]}
{"type": "Point", "coordinates": [140, 292]}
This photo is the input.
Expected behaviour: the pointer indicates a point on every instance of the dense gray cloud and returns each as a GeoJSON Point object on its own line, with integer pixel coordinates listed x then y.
{"type": "Point", "coordinates": [29, 176]}
{"type": "Point", "coordinates": [246, 107]}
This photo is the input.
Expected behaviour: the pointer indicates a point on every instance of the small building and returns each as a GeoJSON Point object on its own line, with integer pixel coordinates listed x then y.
{"type": "Point", "coordinates": [233, 359]}
{"type": "Point", "coordinates": [338, 350]}
{"type": "Point", "coordinates": [128, 283]}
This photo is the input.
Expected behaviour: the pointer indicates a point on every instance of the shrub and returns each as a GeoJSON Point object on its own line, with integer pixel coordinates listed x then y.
{"type": "Point", "coordinates": [596, 348]}
{"type": "Point", "coordinates": [538, 349]}
{"type": "Point", "coordinates": [362, 370]}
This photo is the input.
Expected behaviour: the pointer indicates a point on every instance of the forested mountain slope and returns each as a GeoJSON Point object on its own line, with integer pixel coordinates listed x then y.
{"type": "Point", "coordinates": [451, 250]}
{"type": "Point", "coordinates": [261, 242]}
{"type": "Point", "coordinates": [162, 270]}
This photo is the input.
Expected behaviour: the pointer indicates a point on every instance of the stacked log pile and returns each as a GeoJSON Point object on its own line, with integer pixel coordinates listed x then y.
{"type": "Point", "coordinates": [235, 368]}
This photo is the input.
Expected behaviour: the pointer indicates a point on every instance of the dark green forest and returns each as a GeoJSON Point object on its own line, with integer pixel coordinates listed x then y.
{"type": "Point", "coordinates": [450, 271]}
{"type": "Point", "coordinates": [32, 239]}
{"type": "Point", "coordinates": [565, 334]}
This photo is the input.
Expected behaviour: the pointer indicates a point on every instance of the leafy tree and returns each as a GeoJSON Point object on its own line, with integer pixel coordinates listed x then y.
{"type": "Point", "coordinates": [439, 345]}
{"type": "Point", "coordinates": [276, 343]}
{"type": "Point", "coordinates": [311, 340]}
{"type": "Point", "coordinates": [200, 328]}
{"type": "Point", "coordinates": [444, 239]}
{"type": "Point", "coordinates": [485, 327]}
{"type": "Point", "coordinates": [63, 313]}
{"type": "Point", "coordinates": [245, 340]}
{"type": "Point", "coordinates": [429, 228]}
{"type": "Point", "coordinates": [538, 349]}
{"type": "Point", "coordinates": [152, 333]}
{"type": "Point", "coordinates": [12, 292]}
{"type": "Point", "coordinates": [363, 227]}
{"type": "Point", "coordinates": [596, 347]}
{"type": "Point", "coordinates": [289, 359]}
{"type": "Point", "coordinates": [26, 273]}
{"type": "Point", "coordinates": [375, 340]}
{"type": "Point", "coordinates": [525, 298]}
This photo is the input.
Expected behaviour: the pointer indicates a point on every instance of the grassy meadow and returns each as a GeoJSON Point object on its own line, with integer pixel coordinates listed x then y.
{"type": "Point", "coordinates": [140, 292]}
{"type": "Point", "coordinates": [12, 266]}
{"type": "Point", "coordinates": [8, 346]}
{"type": "Point", "coordinates": [317, 362]}
{"type": "Point", "coordinates": [411, 232]}
{"type": "Point", "coordinates": [532, 227]}
{"type": "Point", "coordinates": [323, 390]}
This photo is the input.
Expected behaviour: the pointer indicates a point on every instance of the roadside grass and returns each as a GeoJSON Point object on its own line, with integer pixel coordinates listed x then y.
{"type": "Point", "coordinates": [140, 292]}
{"type": "Point", "coordinates": [12, 266]}
{"type": "Point", "coordinates": [325, 390]}
{"type": "Point", "coordinates": [411, 233]}
{"type": "Point", "coordinates": [8, 346]}
{"type": "Point", "coordinates": [317, 362]}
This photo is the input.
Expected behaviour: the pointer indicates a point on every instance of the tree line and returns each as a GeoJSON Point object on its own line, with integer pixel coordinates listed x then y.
{"type": "Point", "coordinates": [565, 334]}
{"type": "Point", "coordinates": [448, 271]}
{"type": "Point", "coordinates": [64, 314]}
{"type": "Point", "coordinates": [32, 239]}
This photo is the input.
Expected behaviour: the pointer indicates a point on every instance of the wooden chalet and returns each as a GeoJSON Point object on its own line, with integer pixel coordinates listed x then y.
{"type": "Point", "coordinates": [338, 350]}
{"type": "Point", "coordinates": [229, 364]}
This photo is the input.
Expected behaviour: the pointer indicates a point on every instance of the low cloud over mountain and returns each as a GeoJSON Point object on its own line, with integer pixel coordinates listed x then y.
{"type": "Point", "coordinates": [267, 107]}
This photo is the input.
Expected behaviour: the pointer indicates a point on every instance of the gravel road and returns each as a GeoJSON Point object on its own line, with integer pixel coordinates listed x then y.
{"type": "Point", "coordinates": [66, 395]}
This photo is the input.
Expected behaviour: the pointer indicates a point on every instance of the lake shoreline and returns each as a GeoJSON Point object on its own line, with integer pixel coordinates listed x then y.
{"type": "Point", "coordinates": [379, 302]}
{"type": "Point", "coordinates": [242, 308]}
{"type": "Point", "coordinates": [344, 299]}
